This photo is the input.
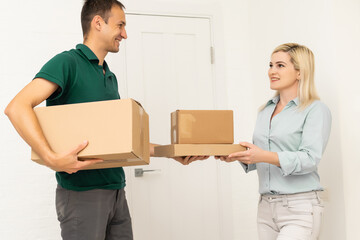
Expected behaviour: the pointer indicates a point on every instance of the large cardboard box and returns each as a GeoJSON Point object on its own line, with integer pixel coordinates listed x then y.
{"type": "Point", "coordinates": [181, 150]}
{"type": "Point", "coordinates": [117, 131]}
{"type": "Point", "coordinates": [202, 126]}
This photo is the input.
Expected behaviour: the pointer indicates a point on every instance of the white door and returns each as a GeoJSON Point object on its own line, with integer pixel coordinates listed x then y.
{"type": "Point", "coordinates": [168, 67]}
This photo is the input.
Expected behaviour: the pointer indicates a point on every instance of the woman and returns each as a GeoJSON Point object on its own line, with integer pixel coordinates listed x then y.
{"type": "Point", "coordinates": [290, 136]}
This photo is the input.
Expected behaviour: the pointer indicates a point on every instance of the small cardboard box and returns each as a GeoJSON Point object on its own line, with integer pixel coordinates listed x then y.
{"type": "Point", "coordinates": [181, 150]}
{"type": "Point", "coordinates": [117, 131]}
{"type": "Point", "coordinates": [202, 126]}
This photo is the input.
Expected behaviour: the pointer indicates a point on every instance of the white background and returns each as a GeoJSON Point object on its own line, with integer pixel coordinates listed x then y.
{"type": "Point", "coordinates": [245, 34]}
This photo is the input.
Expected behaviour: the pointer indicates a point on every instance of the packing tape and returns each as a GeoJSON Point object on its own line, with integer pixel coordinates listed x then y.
{"type": "Point", "coordinates": [173, 118]}
{"type": "Point", "coordinates": [187, 120]}
{"type": "Point", "coordinates": [173, 127]}
{"type": "Point", "coordinates": [174, 135]}
{"type": "Point", "coordinates": [142, 134]}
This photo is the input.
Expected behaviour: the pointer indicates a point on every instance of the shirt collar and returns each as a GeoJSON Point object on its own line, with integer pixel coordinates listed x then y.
{"type": "Point", "coordinates": [296, 101]}
{"type": "Point", "coordinates": [276, 99]}
{"type": "Point", "coordinates": [91, 55]}
{"type": "Point", "coordinates": [87, 52]}
{"type": "Point", "coordinates": [106, 68]}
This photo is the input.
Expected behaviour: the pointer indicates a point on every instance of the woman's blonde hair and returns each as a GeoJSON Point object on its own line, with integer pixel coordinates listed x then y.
{"type": "Point", "coordinates": [303, 60]}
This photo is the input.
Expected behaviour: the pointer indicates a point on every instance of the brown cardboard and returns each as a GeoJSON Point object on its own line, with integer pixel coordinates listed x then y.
{"type": "Point", "coordinates": [202, 126]}
{"type": "Point", "coordinates": [181, 150]}
{"type": "Point", "coordinates": [117, 131]}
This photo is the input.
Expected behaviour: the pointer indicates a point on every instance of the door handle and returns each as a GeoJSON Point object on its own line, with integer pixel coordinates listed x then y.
{"type": "Point", "coordinates": [139, 172]}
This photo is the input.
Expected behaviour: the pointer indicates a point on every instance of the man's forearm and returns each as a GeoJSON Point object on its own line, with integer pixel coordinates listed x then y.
{"type": "Point", "coordinates": [24, 119]}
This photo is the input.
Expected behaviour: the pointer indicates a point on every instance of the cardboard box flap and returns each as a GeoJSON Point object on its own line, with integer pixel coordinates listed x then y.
{"type": "Point", "coordinates": [202, 127]}
{"type": "Point", "coordinates": [138, 103]}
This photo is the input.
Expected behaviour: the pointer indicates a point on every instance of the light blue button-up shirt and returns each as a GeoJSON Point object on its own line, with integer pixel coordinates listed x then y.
{"type": "Point", "coordinates": [299, 137]}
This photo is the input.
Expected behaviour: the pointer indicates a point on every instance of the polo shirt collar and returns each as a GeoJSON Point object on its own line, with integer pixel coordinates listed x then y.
{"type": "Point", "coordinates": [87, 52]}
{"type": "Point", "coordinates": [106, 67]}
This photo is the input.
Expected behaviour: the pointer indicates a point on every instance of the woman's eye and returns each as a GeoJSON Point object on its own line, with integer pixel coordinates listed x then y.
{"type": "Point", "coordinates": [281, 65]}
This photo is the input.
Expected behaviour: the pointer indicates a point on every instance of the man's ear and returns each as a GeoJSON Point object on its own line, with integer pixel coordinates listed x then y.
{"type": "Point", "coordinates": [97, 22]}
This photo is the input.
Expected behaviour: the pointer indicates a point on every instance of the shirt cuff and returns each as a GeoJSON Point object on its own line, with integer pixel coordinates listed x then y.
{"type": "Point", "coordinates": [248, 167]}
{"type": "Point", "coordinates": [285, 165]}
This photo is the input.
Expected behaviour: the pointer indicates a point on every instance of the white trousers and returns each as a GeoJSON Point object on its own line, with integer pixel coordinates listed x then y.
{"type": "Point", "coordinates": [289, 217]}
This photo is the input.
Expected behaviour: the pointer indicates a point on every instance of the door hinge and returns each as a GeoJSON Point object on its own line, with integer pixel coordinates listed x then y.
{"type": "Point", "coordinates": [212, 53]}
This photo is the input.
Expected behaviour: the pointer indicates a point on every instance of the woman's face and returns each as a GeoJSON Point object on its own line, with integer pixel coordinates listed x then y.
{"type": "Point", "coordinates": [282, 73]}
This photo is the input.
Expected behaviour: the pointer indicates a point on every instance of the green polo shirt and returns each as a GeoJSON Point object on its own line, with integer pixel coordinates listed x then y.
{"type": "Point", "coordinates": [81, 79]}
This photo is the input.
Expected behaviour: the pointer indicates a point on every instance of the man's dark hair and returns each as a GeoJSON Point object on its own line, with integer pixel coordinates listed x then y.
{"type": "Point", "coordinates": [92, 8]}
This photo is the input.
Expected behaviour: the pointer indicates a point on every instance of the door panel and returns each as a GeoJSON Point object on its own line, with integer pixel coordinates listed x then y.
{"type": "Point", "coordinates": [167, 62]}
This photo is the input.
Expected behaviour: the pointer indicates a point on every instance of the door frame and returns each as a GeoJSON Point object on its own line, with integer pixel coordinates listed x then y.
{"type": "Point", "coordinates": [211, 12]}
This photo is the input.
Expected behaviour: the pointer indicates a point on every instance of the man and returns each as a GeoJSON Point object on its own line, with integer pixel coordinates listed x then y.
{"type": "Point", "coordinates": [90, 204]}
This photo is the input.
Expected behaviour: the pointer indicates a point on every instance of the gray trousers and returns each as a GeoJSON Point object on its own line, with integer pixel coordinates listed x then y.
{"type": "Point", "coordinates": [290, 217]}
{"type": "Point", "coordinates": [98, 214]}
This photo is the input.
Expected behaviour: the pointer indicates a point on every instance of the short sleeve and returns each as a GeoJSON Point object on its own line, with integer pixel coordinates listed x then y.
{"type": "Point", "coordinates": [58, 70]}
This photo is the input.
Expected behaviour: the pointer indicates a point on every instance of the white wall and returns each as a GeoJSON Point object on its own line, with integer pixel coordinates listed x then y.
{"type": "Point", "coordinates": [346, 80]}
{"type": "Point", "coordinates": [331, 30]}
{"type": "Point", "coordinates": [32, 32]}
{"type": "Point", "coordinates": [266, 25]}
{"type": "Point", "coordinates": [246, 32]}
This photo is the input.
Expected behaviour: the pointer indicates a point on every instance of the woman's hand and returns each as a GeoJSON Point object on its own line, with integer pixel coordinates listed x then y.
{"type": "Point", "coordinates": [252, 155]}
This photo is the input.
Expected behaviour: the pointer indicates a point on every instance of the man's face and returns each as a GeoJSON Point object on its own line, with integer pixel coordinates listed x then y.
{"type": "Point", "coordinates": [114, 30]}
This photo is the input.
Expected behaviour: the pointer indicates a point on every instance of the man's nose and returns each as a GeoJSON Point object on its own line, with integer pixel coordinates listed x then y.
{"type": "Point", "coordinates": [124, 34]}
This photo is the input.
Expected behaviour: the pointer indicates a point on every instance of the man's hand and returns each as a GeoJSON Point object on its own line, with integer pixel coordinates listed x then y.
{"type": "Point", "coordinates": [224, 158]}
{"type": "Point", "coordinates": [183, 160]}
{"type": "Point", "coordinates": [189, 159]}
{"type": "Point", "coordinates": [69, 162]}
